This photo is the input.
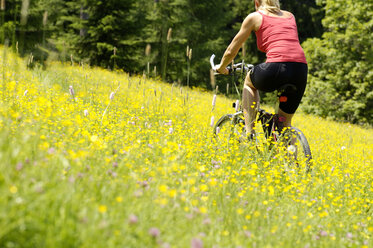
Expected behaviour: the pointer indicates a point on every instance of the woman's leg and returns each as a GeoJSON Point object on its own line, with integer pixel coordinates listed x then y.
{"type": "Point", "coordinates": [250, 104]}
{"type": "Point", "coordinates": [288, 117]}
{"type": "Point", "coordinates": [297, 74]}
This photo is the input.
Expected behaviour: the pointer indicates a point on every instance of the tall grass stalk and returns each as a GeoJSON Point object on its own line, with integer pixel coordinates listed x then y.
{"type": "Point", "coordinates": [147, 54]}
{"type": "Point", "coordinates": [111, 97]}
{"type": "Point", "coordinates": [4, 66]}
{"type": "Point", "coordinates": [189, 58]}
{"type": "Point", "coordinates": [165, 53]}
{"type": "Point", "coordinates": [45, 20]}
{"type": "Point", "coordinates": [2, 10]}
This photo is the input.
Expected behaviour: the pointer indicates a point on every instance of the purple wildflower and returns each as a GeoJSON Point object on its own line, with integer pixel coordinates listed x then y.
{"type": "Point", "coordinates": [154, 232]}
{"type": "Point", "coordinates": [133, 219]}
{"type": "Point", "coordinates": [196, 243]}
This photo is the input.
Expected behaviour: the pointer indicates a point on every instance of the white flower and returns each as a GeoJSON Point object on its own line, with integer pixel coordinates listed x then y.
{"type": "Point", "coordinates": [25, 93]}
{"type": "Point", "coordinates": [214, 101]}
{"type": "Point", "coordinates": [112, 95]}
{"type": "Point", "coordinates": [212, 121]}
{"type": "Point", "coordinates": [292, 149]}
{"type": "Point", "coordinates": [85, 112]}
{"type": "Point", "coordinates": [71, 90]}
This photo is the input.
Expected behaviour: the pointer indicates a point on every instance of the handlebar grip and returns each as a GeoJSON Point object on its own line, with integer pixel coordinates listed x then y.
{"type": "Point", "coordinates": [212, 61]}
{"type": "Point", "coordinates": [235, 67]}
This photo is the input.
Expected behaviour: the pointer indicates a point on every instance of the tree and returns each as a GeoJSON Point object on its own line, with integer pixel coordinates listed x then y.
{"type": "Point", "coordinates": [103, 33]}
{"type": "Point", "coordinates": [29, 30]}
{"type": "Point", "coordinates": [199, 25]}
{"type": "Point", "coordinates": [308, 16]}
{"type": "Point", "coordinates": [341, 63]}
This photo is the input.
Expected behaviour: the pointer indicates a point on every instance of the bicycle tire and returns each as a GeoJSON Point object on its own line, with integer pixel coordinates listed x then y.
{"type": "Point", "coordinates": [297, 148]}
{"type": "Point", "coordinates": [229, 128]}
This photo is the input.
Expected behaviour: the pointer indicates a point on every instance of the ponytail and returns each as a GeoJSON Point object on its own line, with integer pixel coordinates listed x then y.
{"type": "Point", "coordinates": [270, 5]}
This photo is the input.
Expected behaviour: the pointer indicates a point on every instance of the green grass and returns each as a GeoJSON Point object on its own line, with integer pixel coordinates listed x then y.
{"type": "Point", "coordinates": [70, 180]}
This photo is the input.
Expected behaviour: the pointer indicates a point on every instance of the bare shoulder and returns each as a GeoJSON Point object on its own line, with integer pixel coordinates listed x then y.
{"type": "Point", "coordinates": [254, 20]}
{"type": "Point", "coordinates": [287, 13]}
{"type": "Point", "coordinates": [254, 16]}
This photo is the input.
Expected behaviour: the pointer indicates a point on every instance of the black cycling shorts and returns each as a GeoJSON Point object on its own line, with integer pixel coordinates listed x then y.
{"type": "Point", "coordinates": [269, 77]}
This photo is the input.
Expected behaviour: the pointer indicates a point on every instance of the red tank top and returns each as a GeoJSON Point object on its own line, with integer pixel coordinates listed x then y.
{"type": "Point", "coordinates": [278, 38]}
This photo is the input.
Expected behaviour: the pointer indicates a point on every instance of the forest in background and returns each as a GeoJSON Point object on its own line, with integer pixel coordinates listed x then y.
{"type": "Point", "coordinates": [172, 38]}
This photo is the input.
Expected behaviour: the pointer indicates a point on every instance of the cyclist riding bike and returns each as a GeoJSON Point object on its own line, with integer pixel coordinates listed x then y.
{"type": "Point", "coordinates": [277, 36]}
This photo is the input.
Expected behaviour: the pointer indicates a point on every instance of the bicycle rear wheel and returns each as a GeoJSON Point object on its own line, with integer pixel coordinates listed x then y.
{"type": "Point", "coordinates": [229, 129]}
{"type": "Point", "coordinates": [297, 148]}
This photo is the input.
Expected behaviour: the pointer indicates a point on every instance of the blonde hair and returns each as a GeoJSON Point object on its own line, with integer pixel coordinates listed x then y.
{"type": "Point", "coordinates": [270, 5]}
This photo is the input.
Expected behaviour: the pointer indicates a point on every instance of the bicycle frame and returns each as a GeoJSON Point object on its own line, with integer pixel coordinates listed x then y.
{"type": "Point", "coordinates": [291, 139]}
{"type": "Point", "coordinates": [270, 122]}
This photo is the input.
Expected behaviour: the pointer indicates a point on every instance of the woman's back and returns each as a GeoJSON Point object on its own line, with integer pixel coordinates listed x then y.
{"type": "Point", "coordinates": [277, 36]}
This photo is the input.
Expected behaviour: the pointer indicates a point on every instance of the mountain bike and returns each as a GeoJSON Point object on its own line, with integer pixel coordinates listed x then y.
{"type": "Point", "coordinates": [230, 128]}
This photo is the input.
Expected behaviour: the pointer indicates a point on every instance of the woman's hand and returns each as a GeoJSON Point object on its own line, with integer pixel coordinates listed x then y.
{"type": "Point", "coordinates": [220, 70]}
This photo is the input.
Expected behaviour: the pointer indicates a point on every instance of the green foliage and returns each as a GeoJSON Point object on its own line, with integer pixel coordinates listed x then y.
{"type": "Point", "coordinates": [308, 16]}
{"type": "Point", "coordinates": [115, 34]}
{"type": "Point", "coordinates": [91, 30]}
{"type": "Point", "coordinates": [95, 30]}
{"type": "Point", "coordinates": [340, 63]}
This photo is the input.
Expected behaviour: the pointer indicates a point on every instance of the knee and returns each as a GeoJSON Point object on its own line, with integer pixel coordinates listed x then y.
{"type": "Point", "coordinates": [248, 82]}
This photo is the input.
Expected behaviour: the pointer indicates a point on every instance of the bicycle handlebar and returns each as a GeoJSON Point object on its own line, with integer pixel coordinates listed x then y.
{"type": "Point", "coordinates": [235, 67]}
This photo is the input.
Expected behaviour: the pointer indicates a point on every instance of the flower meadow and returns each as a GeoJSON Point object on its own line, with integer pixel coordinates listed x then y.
{"type": "Point", "coordinates": [93, 158]}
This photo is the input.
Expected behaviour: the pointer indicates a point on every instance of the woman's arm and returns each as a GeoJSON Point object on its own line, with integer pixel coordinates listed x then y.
{"type": "Point", "coordinates": [230, 53]}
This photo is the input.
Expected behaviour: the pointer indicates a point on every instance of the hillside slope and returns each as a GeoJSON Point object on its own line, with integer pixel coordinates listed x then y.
{"type": "Point", "coordinates": [120, 161]}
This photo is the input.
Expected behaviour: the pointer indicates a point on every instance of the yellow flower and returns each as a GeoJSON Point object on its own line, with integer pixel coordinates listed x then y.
{"type": "Point", "coordinates": [323, 214]}
{"type": "Point", "coordinates": [213, 182]}
{"type": "Point", "coordinates": [163, 188]}
{"type": "Point", "coordinates": [119, 199]}
{"type": "Point", "coordinates": [13, 189]}
{"type": "Point", "coordinates": [203, 187]}
{"type": "Point", "coordinates": [194, 202]}
{"type": "Point", "coordinates": [203, 210]}
{"type": "Point", "coordinates": [102, 209]}
{"type": "Point", "coordinates": [172, 193]}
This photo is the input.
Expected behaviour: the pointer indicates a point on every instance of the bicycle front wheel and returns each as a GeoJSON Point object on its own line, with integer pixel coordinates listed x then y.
{"type": "Point", "coordinates": [229, 129]}
{"type": "Point", "coordinates": [297, 148]}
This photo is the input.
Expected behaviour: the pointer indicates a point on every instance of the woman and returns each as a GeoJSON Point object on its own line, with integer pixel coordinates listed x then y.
{"type": "Point", "coordinates": [277, 36]}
